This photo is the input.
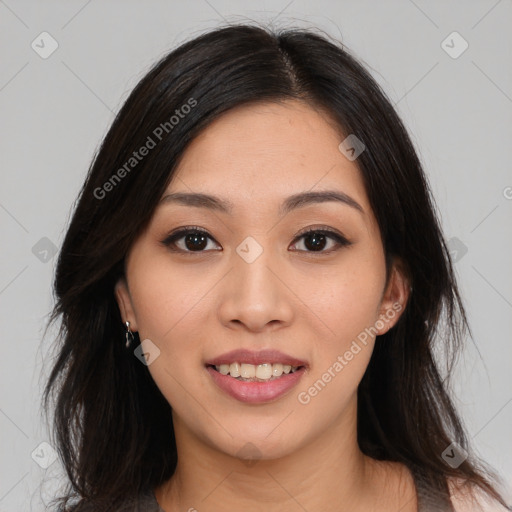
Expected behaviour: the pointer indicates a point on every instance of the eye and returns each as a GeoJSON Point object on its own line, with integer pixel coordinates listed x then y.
{"type": "Point", "coordinates": [194, 240]}
{"type": "Point", "coordinates": [316, 239]}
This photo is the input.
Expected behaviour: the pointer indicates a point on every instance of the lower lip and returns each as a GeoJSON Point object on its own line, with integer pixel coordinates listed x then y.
{"type": "Point", "coordinates": [256, 392]}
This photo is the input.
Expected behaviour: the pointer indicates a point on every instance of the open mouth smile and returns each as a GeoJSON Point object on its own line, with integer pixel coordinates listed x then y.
{"type": "Point", "coordinates": [256, 377]}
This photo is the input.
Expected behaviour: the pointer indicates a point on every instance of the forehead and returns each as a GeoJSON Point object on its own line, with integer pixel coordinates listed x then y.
{"type": "Point", "coordinates": [259, 152]}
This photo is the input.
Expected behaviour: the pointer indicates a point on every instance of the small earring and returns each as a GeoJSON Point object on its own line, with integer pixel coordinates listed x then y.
{"type": "Point", "coordinates": [129, 335]}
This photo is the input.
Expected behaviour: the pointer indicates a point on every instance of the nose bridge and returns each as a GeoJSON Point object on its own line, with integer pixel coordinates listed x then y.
{"type": "Point", "coordinates": [251, 263]}
{"type": "Point", "coordinates": [256, 296]}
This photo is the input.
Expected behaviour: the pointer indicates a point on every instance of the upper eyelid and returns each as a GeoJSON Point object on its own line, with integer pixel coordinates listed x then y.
{"type": "Point", "coordinates": [305, 231]}
{"type": "Point", "coordinates": [338, 237]}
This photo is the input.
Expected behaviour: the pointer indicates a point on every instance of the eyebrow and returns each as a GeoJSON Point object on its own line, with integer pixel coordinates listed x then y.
{"type": "Point", "coordinates": [290, 203]}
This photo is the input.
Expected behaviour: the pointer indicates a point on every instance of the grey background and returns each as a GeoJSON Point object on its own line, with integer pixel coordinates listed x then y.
{"type": "Point", "coordinates": [55, 111]}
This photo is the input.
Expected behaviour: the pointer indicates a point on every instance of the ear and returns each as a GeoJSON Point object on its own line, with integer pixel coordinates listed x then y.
{"type": "Point", "coordinates": [394, 298]}
{"type": "Point", "coordinates": [124, 301]}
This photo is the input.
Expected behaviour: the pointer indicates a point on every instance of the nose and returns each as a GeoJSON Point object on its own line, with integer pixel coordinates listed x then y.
{"type": "Point", "coordinates": [255, 294]}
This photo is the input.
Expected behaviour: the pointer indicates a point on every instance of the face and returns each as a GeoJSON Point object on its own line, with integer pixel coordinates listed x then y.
{"type": "Point", "coordinates": [285, 281]}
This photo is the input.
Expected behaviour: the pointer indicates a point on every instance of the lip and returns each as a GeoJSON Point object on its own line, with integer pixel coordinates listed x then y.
{"type": "Point", "coordinates": [255, 357]}
{"type": "Point", "coordinates": [256, 392]}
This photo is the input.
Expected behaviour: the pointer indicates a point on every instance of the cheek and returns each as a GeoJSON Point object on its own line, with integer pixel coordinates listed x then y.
{"type": "Point", "coordinates": [346, 298]}
{"type": "Point", "coordinates": [346, 302]}
{"type": "Point", "coordinates": [167, 305]}
{"type": "Point", "coordinates": [164, 298]}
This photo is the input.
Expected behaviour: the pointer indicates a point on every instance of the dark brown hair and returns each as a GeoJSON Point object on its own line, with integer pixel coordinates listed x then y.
{"type": "Point", "coordinates": [112, 426]}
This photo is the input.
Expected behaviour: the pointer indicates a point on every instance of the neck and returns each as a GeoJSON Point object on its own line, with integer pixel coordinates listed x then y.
{"type": "Point", "coordinates": [328, 472]}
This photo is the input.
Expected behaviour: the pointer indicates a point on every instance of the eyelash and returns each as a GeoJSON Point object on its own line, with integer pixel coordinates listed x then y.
{"type": "Point", "coordinates": [171, 239]}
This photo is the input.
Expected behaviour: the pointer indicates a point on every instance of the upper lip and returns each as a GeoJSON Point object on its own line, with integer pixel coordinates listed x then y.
{"type": "Point", "coordinates": [255, 357]}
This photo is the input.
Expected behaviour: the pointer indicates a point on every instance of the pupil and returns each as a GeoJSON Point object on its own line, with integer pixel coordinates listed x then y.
{"type": "Point", "coordinates": [192, 239]}
{"type": "Point", "coordinates": [318, 241]}
{"type": "Point", "coordinates": [197, 241]}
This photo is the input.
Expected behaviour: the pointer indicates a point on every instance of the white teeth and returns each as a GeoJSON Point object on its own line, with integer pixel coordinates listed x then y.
{"type": "Point", "coordinates": [248, 371]}
{"type": "Point", "coordinates": [265, 371]}
{"type": "Point", "coordinates": [234, 370]}
{"type": "Point", "coordinates": [277, 370]}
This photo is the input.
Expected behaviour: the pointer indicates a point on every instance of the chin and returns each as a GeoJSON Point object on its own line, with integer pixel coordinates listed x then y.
{"type": "Point", "coordinates": [259, 446]}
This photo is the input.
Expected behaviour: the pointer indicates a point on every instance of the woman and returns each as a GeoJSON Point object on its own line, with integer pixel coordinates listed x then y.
{"type": "Point", "coordinates": [250, 289]}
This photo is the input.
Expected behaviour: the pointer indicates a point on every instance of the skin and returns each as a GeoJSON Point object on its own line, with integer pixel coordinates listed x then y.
{"type": "Point", "coordinates": [309, 304]}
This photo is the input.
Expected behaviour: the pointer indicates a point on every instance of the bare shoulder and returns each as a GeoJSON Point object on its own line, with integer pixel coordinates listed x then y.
{"type": "Point", "coordinates": [469, 498]}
